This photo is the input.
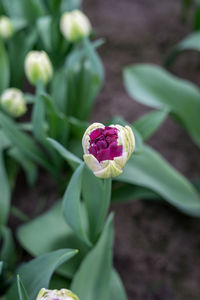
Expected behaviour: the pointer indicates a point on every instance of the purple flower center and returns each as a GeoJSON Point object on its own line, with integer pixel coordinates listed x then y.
{"type": "Point", "coordinates": [103, 143]}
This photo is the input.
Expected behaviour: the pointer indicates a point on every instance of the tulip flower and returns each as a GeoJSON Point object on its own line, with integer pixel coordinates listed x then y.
{"type": "Point", "coordinates": [6, 27]}
{"type": "Point", "coordinates": [62, 294]}
{"type": "Point", "coordinates": [75, 25]}
{"type": "Point", "coordinates": [107, 148]}
{"type": "Point", "coordinates": [12, 101]}
{"type": "Point", "coordinates": [38, 67]}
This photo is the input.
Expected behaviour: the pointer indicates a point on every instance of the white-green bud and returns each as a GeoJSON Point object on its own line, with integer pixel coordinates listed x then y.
{"type": "Point", "coordinates": [38, 67]}
{"type": "Point", "coordinates": [13, 102]}
{"type": "Point", "coordinates": [62, 294]}
{"type": "Point", "coordinates": [6, 27]}
{"type": "Point", "coordinates": [107, 148]}
{"type": "Point", "coordinates": [75, 25]}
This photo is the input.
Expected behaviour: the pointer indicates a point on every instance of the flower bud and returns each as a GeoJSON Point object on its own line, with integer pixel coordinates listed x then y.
{"type": "Point", "coordinates": [13, 102]}
{"type": "Point", "coordinates": [75, 25]}
{"type": "Point", "coordinates": [107, 148]}
{"type": "Point", "coordinates": [38, 67]}
{"type": "Point", "coordinates": [6, 27]}
{"type": "Point", "coordinates": [62, 294]}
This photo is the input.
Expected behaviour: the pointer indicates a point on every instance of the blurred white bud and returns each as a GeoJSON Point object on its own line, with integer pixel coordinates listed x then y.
{"type": "Point", "coordinates": [38, 67]}
{"type": "Point", "coordinates": [6, 27]}
{"type": "Point", "coordinates": [62, 294]}
{"type": "Point", "coordinates": [75, 25]}
{"type": "Point", "coordinates": [13, 102]}
{"type": "Point", "coordinates": [107, 148]}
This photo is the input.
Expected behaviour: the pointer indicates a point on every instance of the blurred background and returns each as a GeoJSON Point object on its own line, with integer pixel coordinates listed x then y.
{"type": "Point", "coordinates": [157, 249]}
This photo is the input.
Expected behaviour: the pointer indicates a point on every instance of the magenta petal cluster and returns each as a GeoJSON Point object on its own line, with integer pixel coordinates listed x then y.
{"type": "Point", "coordinates": [103, 143]}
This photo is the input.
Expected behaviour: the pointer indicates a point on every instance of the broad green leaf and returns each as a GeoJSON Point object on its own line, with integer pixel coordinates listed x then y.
{"type": "Point", "coordinates": [96, 195]}
{"type": "Point", "coordinates": [155, 87]}
{"type": "Point", "coordinates": [4, 67]}
{"type": "Point", "coordinates": [5, 194]}
{"type": "Point", "coordinates": [50, 232]}
{"type": "Point", "coordinates": [21, 290]}
{"type": "Point", "coordinates": [191, 42]}
{"type": "Point", "coordinates": [72, 206]}
{"type": "Point", "coordinates": [70, 5]}
{"type": "Point", "coordinates": [37, 273]}
{"type": "Point", "coordinates": [117, 288]}
{"type": "Point", "coordinates": [7, 251]}
{"type": "Point", "coordinates": [93, 279]}
{"type": "Point", "coordinates": [72, 159]}
{"type": "Point", "coordinates": [149, 123]}
{"type": "Point", "coordinates": [4, 141]}
{"type": "Point", "coordinates": [123, 193]}
{"type": "Point", "coordinates": [150, 170]}
{"type": "Point", "coordinates": [24, 143]}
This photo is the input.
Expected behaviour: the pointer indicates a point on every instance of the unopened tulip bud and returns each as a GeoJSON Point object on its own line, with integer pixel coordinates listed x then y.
{"type": "Point", "coordinates": [6, 27]}
{"type": "Point", "coordinates": [107, 148]}
{"type": "Point", "coordinates": [75, 25]}
{"type": "Point", "coordinates": [62, 294]}
{"type": "Point", "coordinates": [13, 102]}
{"type": "Point", "coordinates": [38, 67]}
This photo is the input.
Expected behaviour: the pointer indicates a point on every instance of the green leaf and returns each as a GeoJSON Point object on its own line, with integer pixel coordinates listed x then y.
{"type": "Point", "coordinates": [28, 166]}
{"type": "Point", "coordinates": [96, 194]}
{"type": "Point", "coordinates": [1, 267]}
{"type": "Point", "coordinates": [97, 268]}
{"type": "Point", "coordinates": [72, 159]}
{"type": "Point", "coordinates": [5, 195]}
{"type": "Point", "coordinates": [72, 208]}
{"type": "Point", "coordinates": [44, 31]}
{"type": "Point", "coordinates": [37, 273]}
{"type": "Point", "coordinates": [150, 170]}
{"type": "Point", "coordinates": [155, 87]}
{"type": "Point", "coordinates": [191, 42]}
{"type": "Point", "coordinates": [123, 193]}
{"type": "Point", "coordinates": [50, 232]}
{"type": "Point", "coordinates": [4, 67]}
{"type": "Point", "coordinates": [24, 143]}
{"type": "Point", "coordinates": [7, 251]}
{"type": "Point", "coordinates": [149, 123]}
{"type": "Point", "coordinates": [21, 290]}
{"type": "Point", "coordinates": [117, 288]}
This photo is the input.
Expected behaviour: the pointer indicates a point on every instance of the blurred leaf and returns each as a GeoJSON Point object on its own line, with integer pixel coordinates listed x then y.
{"type": "Point", "coordinates": [44, 31]}
{"type": "Point", "coordinates": [59, 90]}
{"type": "Point", "coordinates": [1, 267]}
{"type": "Point", "coordinates": [19, 214]}
{"type": "Point", "coordinates": [50, 232]}
{"type": "Point", "coordinates": [149, 123]}
{"type": "Point", "coordinates": [72, 159]}
{"type": "Point", "coordinates": [69, 5]}
{"type": "Point", "coordinates": [4, 141]}
{"type": "Point", "coordinates": [4, 67]}
{"type": "Point", "coordinates": [7, 251]}
{"type": "Point", "coordinates": [97, 268]}
{"type": "Point", "coordinates": [191, 42]}
{"type": "Point", "coordinates": [155, 87]}
{"type": "Point", "coordinates": [28, 166]}
{"type": "Point", "coordinates": [72, 209]}
{"type": "Point", "coordinates": [5, 192]}
{"type": "Point", "coordinates": [24, 143]}
{"type": "Point", "coordinates": [197, 16]}
{"type": "Point", "coordinates": [37, 273]}
{"type": "Point", "coordinates": [96, 194]}
{"type": "Point", "coordinates": [21, 290]}
{"type": "Point", "coordinates": [117, 289]}
{"type": "Point", "coordinates": [127, 193]}
{"type": "Point", "coordinates": [150, 170]}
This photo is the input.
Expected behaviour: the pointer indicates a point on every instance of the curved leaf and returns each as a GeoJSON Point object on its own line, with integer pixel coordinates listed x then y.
{"type": "Point", "coordinates": [155, 87]}
{"type": "Point", "coordinates": [5, 192]}
{"type": "Point", "coordinates": [150, 170]}
{"type": "Point", "coordinates": [4, 67]}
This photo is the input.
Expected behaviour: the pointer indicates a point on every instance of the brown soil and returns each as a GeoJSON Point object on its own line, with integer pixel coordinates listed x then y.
{"type": "Point", "coordinates": [157, 249]}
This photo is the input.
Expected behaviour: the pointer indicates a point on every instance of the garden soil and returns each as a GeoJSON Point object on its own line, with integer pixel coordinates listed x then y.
{"type": "Point", "coordinates": [157, 248]}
